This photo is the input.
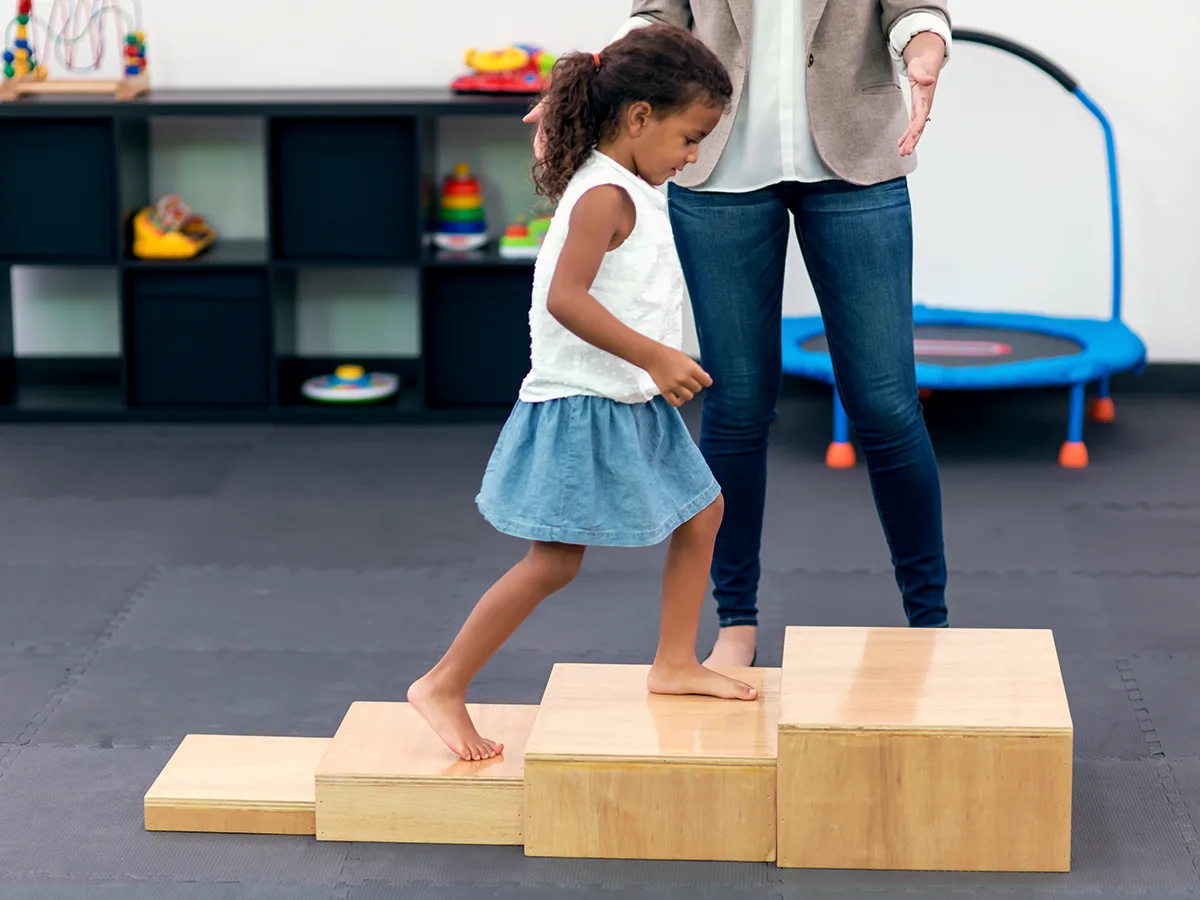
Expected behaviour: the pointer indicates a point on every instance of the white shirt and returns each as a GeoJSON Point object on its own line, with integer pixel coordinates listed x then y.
{"type": "Point", "coordinates": [771, 139]}
{"type": "Point", "coordinates": [640, 283]}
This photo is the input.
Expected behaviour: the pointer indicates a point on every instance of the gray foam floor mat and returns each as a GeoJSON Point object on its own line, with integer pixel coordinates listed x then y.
{"type": "Point", "coordinates": [305, 609]}
{"type": "Point", "coordinates": [85, 532]}
{"type": "Point", "coordinates": [167, 468]}
{"type": "Point", "coordinates": [1105, 721]}
{"type": "Point", "coordinates": [68, 606]}
{"type": "Point", "coordinates": [1186, 774]}
{"type": "Point", "coordinates": [506, 867]}
{"type": "Point", "coordinates": [1168, 688]}
{"type": "Point", "coordinates": [288, 583]}
{"type": "Point", "coordinates": [74, 813]}
{"type": "Point", "coordinates": [29, 680]}
{"type": "Point", "coordinates": [1135, 541]}
{"type": "Point", "coordinates": [1152, 614]}
{"type": "Point", "coordinates": [387, 892]}
{"type": "Point", "coordinates": [150, 698]}
{"type": "Point", "coordinates": [347, 532]}
{"type": "Point", "coordinates": [160, 890]}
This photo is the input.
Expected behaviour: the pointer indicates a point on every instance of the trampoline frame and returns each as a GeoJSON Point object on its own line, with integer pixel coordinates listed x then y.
{"type": "Point", "coordinates": [1123, 350]}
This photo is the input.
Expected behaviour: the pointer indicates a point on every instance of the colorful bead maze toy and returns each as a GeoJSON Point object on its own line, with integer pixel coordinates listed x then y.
{"type": "Point", "coordinates": [516, 69]}
{"type": "Point", "coordinates": [462, 224]}
{"type": "Point", "coordinates": [70, 24]}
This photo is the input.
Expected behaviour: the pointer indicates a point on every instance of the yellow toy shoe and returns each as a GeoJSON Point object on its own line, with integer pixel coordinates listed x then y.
{"type": "Point", "coordinates": [169, 230]}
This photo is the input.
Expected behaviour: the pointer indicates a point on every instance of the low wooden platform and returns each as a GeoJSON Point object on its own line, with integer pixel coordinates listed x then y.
{"type": "Point", "coordinates": [387, 777]}
{"type": "Point", "coordinates": [612, 771]}
{"type": "Point", "coordinates": [237, 784]}
{"type": "Point", "coordinates": [925, 749]}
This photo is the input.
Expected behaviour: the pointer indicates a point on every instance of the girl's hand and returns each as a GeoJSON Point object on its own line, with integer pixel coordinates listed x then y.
{"type": "Point", "coordinates": [678, 376]}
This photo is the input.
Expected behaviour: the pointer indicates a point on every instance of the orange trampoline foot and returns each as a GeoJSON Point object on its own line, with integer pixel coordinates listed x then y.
{"type": "Point", "coordinates": [1101, 409]}
{"type": "Point", "coordinates": [840, 455]}
{"type": "Point", "coordinates": [1073, 455]}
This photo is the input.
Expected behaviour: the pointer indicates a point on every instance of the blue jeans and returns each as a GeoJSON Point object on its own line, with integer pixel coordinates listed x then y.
{"type": "Point", "coordinates": [857, 247]}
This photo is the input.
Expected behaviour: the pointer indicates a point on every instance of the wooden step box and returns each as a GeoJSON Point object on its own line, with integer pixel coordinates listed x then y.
{"type": "Point", "coordinates": [924, 749]}
{"type": "Point", "coordinates": [613, 771]}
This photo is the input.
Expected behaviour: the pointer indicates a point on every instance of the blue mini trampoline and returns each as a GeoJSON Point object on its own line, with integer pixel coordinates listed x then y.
{"type": "Point", "coordinates": [964, 350]}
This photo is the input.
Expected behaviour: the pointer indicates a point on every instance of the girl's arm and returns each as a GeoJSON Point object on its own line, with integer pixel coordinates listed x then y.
{"type": "Point", "coordinates": [600, 220]}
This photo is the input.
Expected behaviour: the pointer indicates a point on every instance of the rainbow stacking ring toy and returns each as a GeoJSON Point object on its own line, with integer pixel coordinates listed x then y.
{"type": "Point", "coordinates": [351, 384]}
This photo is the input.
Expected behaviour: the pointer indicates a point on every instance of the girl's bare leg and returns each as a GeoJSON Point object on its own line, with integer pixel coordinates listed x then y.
{"type": "Point", "coordinates": [440, 696]}
{"type": "Point", "coordinates": [676, 669]}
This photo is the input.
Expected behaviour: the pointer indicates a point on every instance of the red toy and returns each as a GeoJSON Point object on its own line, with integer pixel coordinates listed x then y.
{"type": "Point", "coordinates": [518, 69]}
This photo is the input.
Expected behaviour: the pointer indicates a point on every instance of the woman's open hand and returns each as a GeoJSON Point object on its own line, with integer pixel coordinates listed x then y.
{"type": "Point", "coordinates": [923, 83]}
{"type": "Point", "coordinates": [923, 57]}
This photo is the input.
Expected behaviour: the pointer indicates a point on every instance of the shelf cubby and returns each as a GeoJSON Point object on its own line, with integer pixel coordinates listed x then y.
{"type": "Point", "coordinates": [349, 183]}
{"type": "Point", "coordinates": [57, 181]}
{"type": "Point", "coordinates": [198, 338]}
{"type": "Point", "coordinates": [475, 334]}
{"type": "Point", "coordinates": [344, 190]}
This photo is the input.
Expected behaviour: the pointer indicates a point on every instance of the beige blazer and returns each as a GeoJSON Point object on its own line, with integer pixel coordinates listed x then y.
{"type": "Point", "coordinates": [855, 103]}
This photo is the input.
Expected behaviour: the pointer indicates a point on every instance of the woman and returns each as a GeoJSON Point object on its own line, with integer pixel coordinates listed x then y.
{"type": "Point", "coordinates": [817, 128]}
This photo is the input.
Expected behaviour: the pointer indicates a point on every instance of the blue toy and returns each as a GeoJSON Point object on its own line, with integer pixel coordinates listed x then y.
{"type": "Point", "coordinates": [963, 350]}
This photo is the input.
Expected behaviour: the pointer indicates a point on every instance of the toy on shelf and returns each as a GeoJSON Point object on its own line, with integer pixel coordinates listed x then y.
{"type": "Point", "coordinates": [516, 69]}
{"type": "Point", "coordinates": [351, 384]}
{"type": "Point", "coordinates": [522, 239]}
{"type": "Point", "coordinates": [69, 24]}
{"type": "Point", "coordinates": [462, 224]}
{"type": "Point", "coordinates": [169, 230]}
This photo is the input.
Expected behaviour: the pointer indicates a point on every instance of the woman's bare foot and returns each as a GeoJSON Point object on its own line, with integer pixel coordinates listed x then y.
{"type": "Point", "coordinates": [734, 648]}
{"type": "Point", "coordinates": [447, 715]}
{"type": "Point", "coordinates": [696, 679]}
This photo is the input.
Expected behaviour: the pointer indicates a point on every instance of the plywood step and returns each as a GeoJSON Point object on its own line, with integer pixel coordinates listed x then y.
{"type": "Point", "coordinates": [613, 771]}
{"type": "Point", "coordinates": [388, 778]}
{"type": "Point", "coordinates": [237, 784]}
{"type": "Point", "coordinates": [924, 749]}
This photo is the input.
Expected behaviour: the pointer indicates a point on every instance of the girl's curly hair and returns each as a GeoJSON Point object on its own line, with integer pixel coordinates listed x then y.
{"type": "Point", "coordinates": [665, 66]}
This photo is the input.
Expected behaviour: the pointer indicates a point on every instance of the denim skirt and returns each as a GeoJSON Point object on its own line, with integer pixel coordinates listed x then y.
{"type": "Point", "coordinates": [593, 471]}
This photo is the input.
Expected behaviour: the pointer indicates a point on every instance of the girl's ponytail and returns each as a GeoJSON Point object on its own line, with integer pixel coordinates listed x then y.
{"type": "Point", "coordinates": [570, 124]}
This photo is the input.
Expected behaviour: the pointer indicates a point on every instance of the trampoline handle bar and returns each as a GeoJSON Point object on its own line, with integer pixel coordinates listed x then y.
{"type": "Point", "coordinates": [1072, 87]}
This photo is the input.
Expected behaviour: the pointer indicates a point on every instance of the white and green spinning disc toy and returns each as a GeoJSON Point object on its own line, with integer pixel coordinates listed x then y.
{"type": "Point", "coordinates": [351, 384]}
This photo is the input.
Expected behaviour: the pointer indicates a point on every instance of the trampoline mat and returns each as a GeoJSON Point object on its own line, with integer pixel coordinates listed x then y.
{"type": "Point", "coordinates": [961, 346]}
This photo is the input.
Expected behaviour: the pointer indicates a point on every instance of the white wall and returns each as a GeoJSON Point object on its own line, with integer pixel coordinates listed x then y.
{"type": "Point", "coordinates": [1010, 199]}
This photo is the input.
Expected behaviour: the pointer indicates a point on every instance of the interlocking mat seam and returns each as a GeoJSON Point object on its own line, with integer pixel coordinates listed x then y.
{"type": "Point", "coordinates": [1166, 775]}
{"type": "Point", "coordinates": [77, 670]}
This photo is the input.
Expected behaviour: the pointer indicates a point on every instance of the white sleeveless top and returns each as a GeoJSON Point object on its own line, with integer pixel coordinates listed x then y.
{"type": "Point", "coordinates": [640, 283]}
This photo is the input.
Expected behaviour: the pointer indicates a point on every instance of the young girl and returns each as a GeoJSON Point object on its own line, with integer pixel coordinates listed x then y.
{"type": "Point", "coordinates": [595, 451]}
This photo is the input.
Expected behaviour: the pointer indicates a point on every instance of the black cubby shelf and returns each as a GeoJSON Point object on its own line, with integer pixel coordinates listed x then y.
{"type": "Point", "coordinates": [349, 178]}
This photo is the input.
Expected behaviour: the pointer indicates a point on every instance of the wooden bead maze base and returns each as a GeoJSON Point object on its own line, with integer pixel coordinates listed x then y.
{"type": "Point", "coordinates": [30, 86]}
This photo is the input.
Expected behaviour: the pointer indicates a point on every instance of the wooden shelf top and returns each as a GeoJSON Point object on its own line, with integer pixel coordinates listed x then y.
{"type": "Point", "coordinates": [922, 680]}
{"type": "Point", "coordinates": [605, 712]}
{"type": "Point", "coordinates": [389, 742]}
{"type": "Point", "coordinates": [282, 102]}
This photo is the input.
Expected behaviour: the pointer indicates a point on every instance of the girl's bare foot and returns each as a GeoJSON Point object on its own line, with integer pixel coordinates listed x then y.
{"type": "Point", "coordinates": [734, 648]}
{"type": "Point", "coordinates": [447, 715]}
{"type": "Point", "coordinates": [696, 679]}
